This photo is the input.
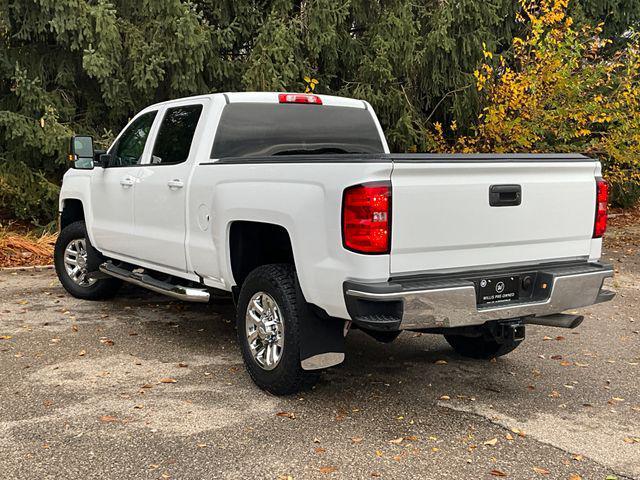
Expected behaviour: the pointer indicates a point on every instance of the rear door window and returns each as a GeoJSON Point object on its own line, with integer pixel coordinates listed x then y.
{"type": "Point", "coordinates": [174, 138]}
{"type": "Point", "coordinates": [273, 129]}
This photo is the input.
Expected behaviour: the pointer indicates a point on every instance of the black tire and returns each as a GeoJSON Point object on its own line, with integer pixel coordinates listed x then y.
{"type": "Point", "coordinates": [480, 347]}
{"type": "Point", "coordinates": [100, 289]}
{"type": "Point", "coordinates": [279, 282]}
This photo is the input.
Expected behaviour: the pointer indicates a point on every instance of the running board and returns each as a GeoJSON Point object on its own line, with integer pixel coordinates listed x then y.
{"type": "Point", "coordinates": [188, 294]}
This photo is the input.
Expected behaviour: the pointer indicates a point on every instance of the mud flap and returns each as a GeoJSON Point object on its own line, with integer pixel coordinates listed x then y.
{"type": "Point", "coordinates": [94, 260]}
{"type": "Point", "coordinates": [321, 338]}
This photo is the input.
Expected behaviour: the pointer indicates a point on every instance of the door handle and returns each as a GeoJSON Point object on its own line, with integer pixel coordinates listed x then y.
{"type": "Point", "coordinates": [127, 182]}
{"type": "Point", "coordinates": [175, 183]}
{"type": "Point", "coordinates": [505, 195]}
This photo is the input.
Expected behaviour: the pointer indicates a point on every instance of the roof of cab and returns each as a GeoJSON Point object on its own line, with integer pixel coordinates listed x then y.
{"type": "Point", "coordinates": [267, 97]}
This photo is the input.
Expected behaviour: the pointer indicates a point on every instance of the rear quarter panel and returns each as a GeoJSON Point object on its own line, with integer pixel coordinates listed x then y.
{"type": "Point", "coordinates": [305, 199]}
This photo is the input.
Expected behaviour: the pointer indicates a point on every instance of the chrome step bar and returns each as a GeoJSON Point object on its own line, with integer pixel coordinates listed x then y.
{"type": "Point", "coordinates": [188, 294]}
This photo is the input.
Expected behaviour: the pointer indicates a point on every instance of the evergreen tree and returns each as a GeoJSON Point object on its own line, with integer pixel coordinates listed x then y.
{"type": "Point", "coordinates": [87, 66]}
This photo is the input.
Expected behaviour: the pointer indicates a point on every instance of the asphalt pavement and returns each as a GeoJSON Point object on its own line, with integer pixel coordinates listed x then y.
{"type": "Point", "coordinates": [147, 387]}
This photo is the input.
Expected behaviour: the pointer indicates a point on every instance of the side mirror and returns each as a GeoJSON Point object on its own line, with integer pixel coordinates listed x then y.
{"type": "Point", "coordinates": [81, 152]}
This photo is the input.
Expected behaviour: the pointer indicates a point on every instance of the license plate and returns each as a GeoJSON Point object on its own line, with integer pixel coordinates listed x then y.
{"type": "Point", "coordinates": [498, 290]}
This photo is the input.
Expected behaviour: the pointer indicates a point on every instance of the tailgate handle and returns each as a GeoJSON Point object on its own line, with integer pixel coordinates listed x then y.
{"type": "Point", "coordinates": [505, 195]}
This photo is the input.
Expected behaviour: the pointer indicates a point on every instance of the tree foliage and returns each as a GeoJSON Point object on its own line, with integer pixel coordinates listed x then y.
{"type": "Point", "coordinates": [560, 93]}
{"type": "Point", "coordinates": [87, 66]}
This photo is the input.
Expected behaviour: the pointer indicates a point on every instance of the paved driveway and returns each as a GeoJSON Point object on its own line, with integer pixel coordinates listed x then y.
{"type": "Point", "coordinates": [145, 387]}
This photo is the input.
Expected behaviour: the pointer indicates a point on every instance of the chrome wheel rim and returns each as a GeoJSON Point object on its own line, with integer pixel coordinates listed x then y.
{"type": "Point", "coordinates": [75, 263]}
{"type": "Point", "coordinates": [264, 328]}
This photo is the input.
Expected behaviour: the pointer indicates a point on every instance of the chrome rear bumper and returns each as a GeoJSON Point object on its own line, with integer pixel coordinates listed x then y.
{"type": "Point", "coordinates": [441, 302]}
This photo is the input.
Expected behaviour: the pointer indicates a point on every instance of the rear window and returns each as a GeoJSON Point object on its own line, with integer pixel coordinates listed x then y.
{"type": "Point", "coordinates": [268, 129]}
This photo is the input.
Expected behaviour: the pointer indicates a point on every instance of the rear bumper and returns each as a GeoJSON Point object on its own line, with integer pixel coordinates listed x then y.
{"type": "Point", "coordinates": [450, 301]}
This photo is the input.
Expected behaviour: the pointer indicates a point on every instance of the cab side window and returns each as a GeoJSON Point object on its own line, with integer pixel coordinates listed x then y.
{"type": "Point", "coordinates": [130, 146]}
{"type": "Point", "coordinates": [173, 141]}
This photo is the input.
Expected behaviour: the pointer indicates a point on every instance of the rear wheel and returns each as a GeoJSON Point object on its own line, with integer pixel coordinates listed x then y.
{"type": "Point", "coordinates": [480, 347]}
{"type": "Point", "coordinates": [70, 259]}
{"type": "Point", "coordinates": [268, 324]}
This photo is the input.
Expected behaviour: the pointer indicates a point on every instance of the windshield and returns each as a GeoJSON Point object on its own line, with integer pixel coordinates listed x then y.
{"type": "Point", "coordinates": [270, 129]}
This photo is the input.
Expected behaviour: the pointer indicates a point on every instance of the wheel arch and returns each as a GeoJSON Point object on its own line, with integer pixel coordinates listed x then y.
{"type": "Point", "coordinates": [72, 211]}
{"type": "Point", "coordinates": [252, 244]}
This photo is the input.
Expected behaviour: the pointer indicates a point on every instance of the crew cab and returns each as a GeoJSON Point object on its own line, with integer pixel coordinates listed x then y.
{"type": "Point", "coordinates": [293, 204]}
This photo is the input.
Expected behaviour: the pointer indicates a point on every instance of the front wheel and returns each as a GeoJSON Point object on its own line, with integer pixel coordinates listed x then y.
{"type": "Point", "coordinates": [268, 324]}
{"type": "Point", "coordinates": [70, 259]}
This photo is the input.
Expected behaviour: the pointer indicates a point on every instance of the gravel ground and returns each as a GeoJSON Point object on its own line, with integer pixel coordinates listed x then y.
{"type": "Point", "coordinates": [146, 387]}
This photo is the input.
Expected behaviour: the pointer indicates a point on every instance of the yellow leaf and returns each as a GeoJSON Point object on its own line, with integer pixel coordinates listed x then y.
{"type": "Point", "coordinates": [541, 471]}
{"type": "Point", "coordinates": [307, 79]}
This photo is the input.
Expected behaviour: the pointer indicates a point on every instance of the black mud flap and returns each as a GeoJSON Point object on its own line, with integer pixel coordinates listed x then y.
{"type": "Point", "coordinates": [321, 338]}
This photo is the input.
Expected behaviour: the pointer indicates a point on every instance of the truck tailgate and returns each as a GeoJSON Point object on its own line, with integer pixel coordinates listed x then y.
{"type": "Point", "coordinates": [442, 218]}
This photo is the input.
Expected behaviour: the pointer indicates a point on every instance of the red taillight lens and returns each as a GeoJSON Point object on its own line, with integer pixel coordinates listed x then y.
{"type": "Point", "coordinates": [299, 98]}
{"type": "Point", "coordinates": [602, 198]}
{"type": "Point", "coordinates": [366, 218]}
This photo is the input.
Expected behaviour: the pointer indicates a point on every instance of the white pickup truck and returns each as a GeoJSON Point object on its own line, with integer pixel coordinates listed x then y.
{"type": "Point", "coordinates": [294, 204]}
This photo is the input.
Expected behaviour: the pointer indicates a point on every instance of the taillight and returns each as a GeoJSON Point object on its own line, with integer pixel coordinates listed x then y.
{"type": "Point", "coordinates": [602, 198]}
{"type": "Point", "coordinates": [299, 98]}
{"type": "Point", "coordinates": [366, 218]}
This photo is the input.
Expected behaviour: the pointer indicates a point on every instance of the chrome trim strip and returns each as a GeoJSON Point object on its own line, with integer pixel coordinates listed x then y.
{"type": "Point", "coordinates": [322, 360]}
{"type": "Point", "coordinates": [456, 306]}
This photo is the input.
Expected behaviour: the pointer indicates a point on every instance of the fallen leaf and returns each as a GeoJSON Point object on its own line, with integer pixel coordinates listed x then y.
{"type": "Point", "coordinates": [440, 362]}
{"type": "Point", "coordinates": [328, 469]}
{"type": "Point", "coordinates": [82, 353]}
{"type": "Point", "coordinates": [107, 341]}
{"type": "Point", "coordinates": [168, 380]}
{"type": "Point", "coordinates": [290, 415]}
{"type": "Point", "coordinates": [5, 337]}
{"type": "Point", "coordinates": [575, 476]}
{"type": "Point", "coordinates": [108, 419]}
{"type": "Point", "coordinates": [556, 357]}
{"type": "Point", "coordinates": [508, 436]}
{"type": "Point", "coordinates": [497, 473]}
{"type": "Point", "coordinates": [356, 439]}
{"type": "Point", "coordinates": [445, 397]}
{"type": "Point", "coordinates": [183, 365]}
{"type": "Point", "coordinates": [541, 471]}
{"type": "Point", "coordinates": [319, 450]}
{"type": "Point", "coordinates": [396, 441]}
{"type": "Point", "coordinates": [491, 442]}
{"type": "Point", "coordinates": [202, 445]}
